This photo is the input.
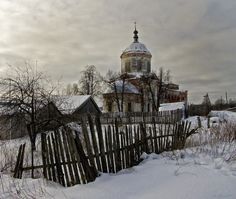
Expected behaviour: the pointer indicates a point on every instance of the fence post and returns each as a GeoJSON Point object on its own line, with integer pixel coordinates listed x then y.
{"type": "Point", "coordinates": [199, 122]}
{"type": "Point", "coordinates": [208, 122]}
{"type": "Point", "coordinates": [44, 154]}
{"type": "Point", "coordinates": [101, 144]}
{"type": "Point", "coordinates": [19, 163]}
{"type": "Point", "coordinates": [118, 146]}
{"type": "Point", "coordinates": [144, 138]}
{"type": "Point", "coordinates": [94, 141]}
{"type": "Point", "coordinates": [90, 171]}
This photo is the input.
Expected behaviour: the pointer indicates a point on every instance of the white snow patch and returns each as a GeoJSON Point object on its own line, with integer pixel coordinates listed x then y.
{"type": "Point", "coordinates": [68, 104]}
{"type": "Point", "coordinates": [172, 106]}
{"type": "Point", "coordinates": [224, 116]}
{"type": "Point", "coordinates": [128, 87]}
{"type": "Point", "coordinates": [179, 175]}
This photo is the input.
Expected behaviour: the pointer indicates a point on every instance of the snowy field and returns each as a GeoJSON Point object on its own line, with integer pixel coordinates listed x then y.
{"type": "Point", "coordinates": [180, 175]}
{"type": "Point", "coordinates": [205, 171]}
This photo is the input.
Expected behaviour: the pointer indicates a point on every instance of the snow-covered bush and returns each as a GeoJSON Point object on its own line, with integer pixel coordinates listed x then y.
{"type": "Point", "coordinates": [218, 141]}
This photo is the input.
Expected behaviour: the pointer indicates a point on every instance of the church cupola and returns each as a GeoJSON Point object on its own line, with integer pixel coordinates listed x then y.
{"type": "Point", "coordinates": [136, 58]}
{"type": "Point", "coordinates": [135, 34]}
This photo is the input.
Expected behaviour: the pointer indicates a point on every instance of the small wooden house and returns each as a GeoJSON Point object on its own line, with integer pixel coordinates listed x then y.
{"type": "Point", "coordinates": [13, 124]}
{"type": "Point", "coordinates": [78, 105]}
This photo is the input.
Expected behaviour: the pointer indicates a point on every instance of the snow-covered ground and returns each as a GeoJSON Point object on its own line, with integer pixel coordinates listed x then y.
{"type": "Point", "coordinates": [205, 171]}
{"type": "Point", "coordinates": [179, 175]}
{"type": "Point", "coordinates": [224, 116]}
{"type": "Point", "coordinates": [216, 118]}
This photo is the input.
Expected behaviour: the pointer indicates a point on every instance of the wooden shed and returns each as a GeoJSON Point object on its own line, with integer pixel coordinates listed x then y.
{"type": "Point", "coordinates": [78, 105]}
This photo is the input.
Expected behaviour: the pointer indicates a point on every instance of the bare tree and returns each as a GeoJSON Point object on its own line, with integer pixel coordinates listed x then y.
{"type": "Point", "coordinates": [151, 88]}
{"type": "Point", "coordinates": [72, 89]}
{"type": "Point", "coordinates": [117, 84]}
{"type": "Point", "coordinates": [26, 92]}
{"type": "Point", "coordinates": [75, 89]}
{"type": "Point", "coordinates": [90, 82]}
{"type": "Point", "coordinates": [156, 85]}
{"type": "Point", "coordinates": [69, 89]}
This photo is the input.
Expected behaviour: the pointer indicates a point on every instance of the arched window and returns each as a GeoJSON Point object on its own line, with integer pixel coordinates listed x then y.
{"type": "Point", "coordinates": [127, 66]}
{"type": "Point", "coordinates": [134, 62]}
{"type": "Point", "coordinates": [129, 107]}
{"type": "Point", "coordinates": [148, 66]}
{"type": "Point", "coordinates": [109, 106]}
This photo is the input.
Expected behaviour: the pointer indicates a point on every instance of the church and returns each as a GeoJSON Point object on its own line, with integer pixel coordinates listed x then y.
{"type": "Point", "coordinates": [137, 88]}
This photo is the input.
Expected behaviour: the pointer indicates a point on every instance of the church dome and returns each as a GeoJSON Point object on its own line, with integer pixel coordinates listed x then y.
{"type": "Point", "coordinates": [136, 58]}
{"type": "Point", "coordinates": [137, 47]}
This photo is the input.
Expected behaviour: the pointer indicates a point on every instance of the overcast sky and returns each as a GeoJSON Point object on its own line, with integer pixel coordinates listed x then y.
{"type": "Point", "coordinates": [195, 39]}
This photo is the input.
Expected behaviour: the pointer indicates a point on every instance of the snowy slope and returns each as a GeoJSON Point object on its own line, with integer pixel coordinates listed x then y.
{"type": "Point", "coordinates": [179, 175]}
{"type": "Point", "coordinates": [206, 171]}
{"type": "Point", "coordinates": [158, 177]}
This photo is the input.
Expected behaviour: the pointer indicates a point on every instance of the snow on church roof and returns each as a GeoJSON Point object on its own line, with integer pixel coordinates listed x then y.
{"type": "Point", "coordinates": [128, 87]}
{"type": "Point", "coordinates": [137, 47]}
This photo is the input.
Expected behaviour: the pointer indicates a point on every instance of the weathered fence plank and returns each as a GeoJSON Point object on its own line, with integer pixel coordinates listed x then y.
{"type": "Point", "coordinates": [50, 154]}
{"type": "Point", "coordinates": [90, 171]}
{"type": "Point", "coordinates": [101, 143]}
{"type": "Point", "coordinates": [19, 163]}
{"type": "Point", "coordinates": [94, 141]}
{"type": "Point", "coordinates": [63, 159]}
{"type": "Point", "coordinates": [69, 159]}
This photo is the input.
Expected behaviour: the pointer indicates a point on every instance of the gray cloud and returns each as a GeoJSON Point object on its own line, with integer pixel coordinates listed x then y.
{"type": "Point", "coordinates": [194, 39]}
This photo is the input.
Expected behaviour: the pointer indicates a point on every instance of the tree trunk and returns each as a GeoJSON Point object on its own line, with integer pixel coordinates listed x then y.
{"type": "Point", "coordinates": [32, 136]}
{"type": "Point", "coordinates": [33, 148]}
{"type": "Point", "coordinates": [117, 97]}
{"type": "Point", "coordinates": [122, 95]}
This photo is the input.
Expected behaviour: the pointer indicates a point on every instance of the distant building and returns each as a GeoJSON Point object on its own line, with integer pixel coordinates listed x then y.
{"type": "Point", "coordinates": [206, 104]}
{"type": "Point", "coordinates": [128, 93]}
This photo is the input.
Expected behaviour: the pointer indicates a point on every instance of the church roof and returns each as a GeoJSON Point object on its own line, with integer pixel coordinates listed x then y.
{"type": "Point", "coordinates": [128, 87]}
{"type": "Point", "coordinates": [137, 47]}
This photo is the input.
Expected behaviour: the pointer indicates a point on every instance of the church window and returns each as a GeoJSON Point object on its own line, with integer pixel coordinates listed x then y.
{"type": "Point", "coordinates": [134, 61]}
{"type": "Point", "coordinates": [109, 107]}
{"type": "Point", "coordinates": [153, 107]}
{"type": "Point", "coordinates": [139, 62]}
{"type": "Point", "coordinates": [127, 66]}
{"type": "Point", "coordinates": [129, 107]}
{"type": "Point", "coordinates": [148, 66]}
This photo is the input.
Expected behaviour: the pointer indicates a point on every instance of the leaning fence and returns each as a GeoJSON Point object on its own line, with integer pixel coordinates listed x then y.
{"type": "Point", "coordinates": [70, 157]}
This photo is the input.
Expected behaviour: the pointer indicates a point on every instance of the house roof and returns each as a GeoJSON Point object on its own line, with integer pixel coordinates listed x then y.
{"type": "Point", "coordinates": [69, 104]}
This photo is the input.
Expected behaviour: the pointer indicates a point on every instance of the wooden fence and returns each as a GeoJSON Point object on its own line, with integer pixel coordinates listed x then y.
{"type": "Point", "coordinates": [70, 157]}
{"type": "Point", "coordinates": [19, 162]}
{"type": "Point", "coordinates": [147, 117]}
